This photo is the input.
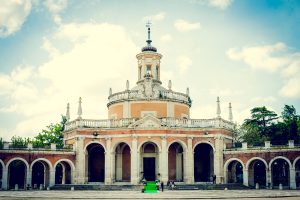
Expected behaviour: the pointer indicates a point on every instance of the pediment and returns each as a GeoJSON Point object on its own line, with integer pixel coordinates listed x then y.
{"type": "Point", "coordinates": [148, 121]}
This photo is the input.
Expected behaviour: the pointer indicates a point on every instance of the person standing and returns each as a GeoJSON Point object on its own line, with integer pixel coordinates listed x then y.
{"type": "Point", "coordinates": [162, 186]}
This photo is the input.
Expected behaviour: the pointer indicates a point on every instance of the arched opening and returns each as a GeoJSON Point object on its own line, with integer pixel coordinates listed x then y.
{"type": "Point", "coordinates": [1, 172]}
{"type": "Point", "coordinates": [63, 174]}
{"type": "Point", "coordinates": [40, 174]}
{"type": "Point", "coordinates": [257, 173]}
{"type": "Point", "coordinates": [235, 172]}
{"type": "Point", "coordinates": [96, 163]}
{"type": "Point", "coordinates": [123, 162]}
{"type": "Point", "coordinates": [297, 173]}
{"type": "Point", "coordinates": [203, 163]}
{"type": "Point", "coordinates": [149, 164]}
{"type": "Point", "coordinates": [17, 174]}
{"type": "Point", "coordinates": [175, 162]}
{"type": "Point", "coordinates": [280, 172]}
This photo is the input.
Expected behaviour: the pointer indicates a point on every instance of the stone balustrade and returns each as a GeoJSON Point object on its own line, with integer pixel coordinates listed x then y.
{"type": "Point", "coordinates": [168, 122]}
{"type": "Point", "coordinates": [135, 95]}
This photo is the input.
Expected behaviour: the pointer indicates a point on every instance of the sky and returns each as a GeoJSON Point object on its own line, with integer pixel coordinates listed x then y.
{"type": "Point", "coordinates": [52, 52]}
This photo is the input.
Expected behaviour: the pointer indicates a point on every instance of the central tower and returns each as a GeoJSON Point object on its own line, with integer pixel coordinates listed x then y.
{"type": "Point", "coordinates": [148, 97]}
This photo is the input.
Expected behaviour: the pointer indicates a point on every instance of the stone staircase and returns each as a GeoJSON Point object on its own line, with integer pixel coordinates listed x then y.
{"type": "Point", "coordinates": [95, 187]}
{"type": "Point", "coordinates": [233, 186]}
{"type": "Point", "coordinates": [120, 187]}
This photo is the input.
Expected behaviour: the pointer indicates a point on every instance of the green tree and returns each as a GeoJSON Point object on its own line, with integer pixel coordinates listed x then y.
{"type": "Point", "coordinates": [291, 120]}
{"type": "Point", "coordinates": [262, 118]}
{"type": "Point", "coordinates": [19, 142]}
{"type": "Point", "coordinates": [1, 143]}
{"type": "Point", "coordinates": [250, 134]}
{"type": "Point", "coordinates": [52, 134]}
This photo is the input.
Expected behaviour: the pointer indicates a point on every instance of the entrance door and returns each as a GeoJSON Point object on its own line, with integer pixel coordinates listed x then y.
{"type": "Point", "coordinates": [149, 169]}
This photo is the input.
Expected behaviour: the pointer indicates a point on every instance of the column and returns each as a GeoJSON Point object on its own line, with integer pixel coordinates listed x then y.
{"type": "Point", "coordinates": [108, 170]}
{"type": "Point", "coordinates": [4, 179]}
{"type": "Point", "coordinates": [189, 162]}
{"type": "Point", "coordinates": [218, 159]}
{"type": "Point", "coordinates": [163, 166]}
{"type": "Point", "coordinates": [80, 161]}
{"type": "Point", "coordinates": [245, 177]}
{"type": "Point", "coordinates": [28, 177]}
{"type": "Point", "coordinates": [292, 178]}
{"type": "Point", "coordinates": [268, 178]}
{"type": "Point", "coordinates": [134, 161]}
{"type": "Point", "coordinates": [52, 177]}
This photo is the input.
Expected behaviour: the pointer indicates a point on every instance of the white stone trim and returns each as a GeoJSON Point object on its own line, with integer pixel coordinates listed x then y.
{"type": "Point", "coordinates": [41, 159]}
{"type": "Point", "coordinates": [118, 143]}
{"type": "Point", "coordinates": [256, 158]}
{"type": "Point", "coordinates": [204, 142]}
{"type": "Point", "coordinates": [17, 158]}
{"type": "Point", "coordinates": [95, 142]}
{"type": "Point", "coordinates": [295, 161]}
{"type": "Point", "coordinates": [183, 145]}
{"type": "Point", "coordinates": [280, 157]}
{"type": "Point", "coordinates": [149, 141]}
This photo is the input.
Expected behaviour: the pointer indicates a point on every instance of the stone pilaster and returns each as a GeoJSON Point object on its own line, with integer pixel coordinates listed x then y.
{"type": "Point", "coordinates": [80, 161]}
{"type": "Point", "coordinates": [268, 178]}
{"type": "Point", "coordinates": [218, 159]}
{"type": "Point", "coordinates": [189, 164]}
{"type": "Point", "coordinates": [164, 160]}
{"type": "Point", "coordinates": [134, 161]}
{"type": "Point", "coordinates": [292, 179]}
{"type": "Point", "coordinates": [4, 179]}
{"type": "Point", "coordinates": [28, 177]}
{"type": "Point", "coordinates": [108, 164]}
{"type": "Point", "coordinates": [245, 177]}
{"type": "Point", "coordinates": [52, 177]}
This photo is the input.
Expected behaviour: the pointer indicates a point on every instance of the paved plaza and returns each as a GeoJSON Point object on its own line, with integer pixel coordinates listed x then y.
{"type": "Point", "coordinates": [196, 194]}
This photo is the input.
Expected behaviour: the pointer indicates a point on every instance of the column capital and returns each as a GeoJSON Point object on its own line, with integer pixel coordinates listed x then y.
{"type": "Point", "coordinates": [164, 137]}
{"type": "Point", "coordinates": [134, 136]}
{"type": "Point", "coordinates": [190, 137]}
{"type": "Point", "coordinates": [108, 138]}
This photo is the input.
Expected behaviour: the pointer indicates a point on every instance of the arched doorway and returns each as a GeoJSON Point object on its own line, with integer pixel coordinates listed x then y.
{"type": "Point", "coordinates": [235, 172]}
{"type": "Point", "coordinates": [175, 162]}
{"type": "Point", "coordinates": [40, 174]}
{"type": "Point", "coordinates": [257, 173]}
{"type": "Point", "coordinates": [96, 162]}
{"type": "Point", "coordinates": [1, 173]}
{"type": "Point", "coordinates": [297, 173]}
{"type": "Point", "coordinates": [203, 163]}
{"type": "Point", "coordinates": [17, 171]}
{"type": "Point", "coordinates": [63, 173]}
{"type": "Point", "coordinates": [122, 162]}
{"type": "Point", "coordinates": [280, 172]}
{"type": "Point", "coordinates": [149, 164]}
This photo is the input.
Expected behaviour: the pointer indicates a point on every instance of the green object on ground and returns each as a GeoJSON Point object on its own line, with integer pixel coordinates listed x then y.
{"type": "Point", "coordinates": [150, 187]}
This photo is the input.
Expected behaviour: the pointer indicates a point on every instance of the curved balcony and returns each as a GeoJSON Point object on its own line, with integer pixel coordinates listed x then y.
{"type": "Point", "coordinates": [165, 122]}
{"type": "Point", "coordinates": [133, 95]}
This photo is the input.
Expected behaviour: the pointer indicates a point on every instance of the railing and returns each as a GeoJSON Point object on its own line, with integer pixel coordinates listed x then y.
{"type": "Point", "coordinates": [168, 122]}
{"type": "Point", "coordinates": [12, 146]}
{"type": "Point", "coordinates": [134, 95]}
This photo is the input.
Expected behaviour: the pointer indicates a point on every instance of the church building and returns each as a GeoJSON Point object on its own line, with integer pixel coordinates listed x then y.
{"type": "Point", "coordinates": [149, 135]}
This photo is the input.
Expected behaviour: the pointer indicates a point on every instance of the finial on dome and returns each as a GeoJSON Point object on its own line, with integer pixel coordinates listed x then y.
{"type": "Point", "coordinates": [110, 92]}
{"type": "Point", "coordinates": [149, 47]}
{"type": "Point", "coordinates": [170, 85]}
{"type": "Point", "coordinates": [127, 85]}
{"type": "Point", "coordinates": [68, 112]}
{"type": "Point", "coordinates": [230, 113]}
{"type": "Point", "coordinates": [218, 108]}
{"type": "Point", "coordinates": [188, 91]}
{"type": "Point", "coordinates": [148, 25]}
{"type": "Point", "coordinates": [79, 112]}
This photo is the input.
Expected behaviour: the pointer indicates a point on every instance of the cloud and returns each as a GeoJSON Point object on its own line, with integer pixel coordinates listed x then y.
{"type": "Point", "coordinates": [185, 26]}
{"type": "Point", "coordinates": [13, 14]}
{"type": "Point", "coordinates": [259, 99]}
{"type": "Point", "coordinates": [166, 38]}
{"type": "Point", "coordinates": [274, 58]}
{"type": "Point", "coordinates": [220, 4]}
{"type": "Point", "coordinates": [184, 63]}
{"type": "Point", "coordinates": [56, 7]}
{"type": "Point", "coordinates": [155, 18]}
{"type": "Point", "coordinates": [261, 57]}
{"type": "Point", "coordinates": [93, 63]}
